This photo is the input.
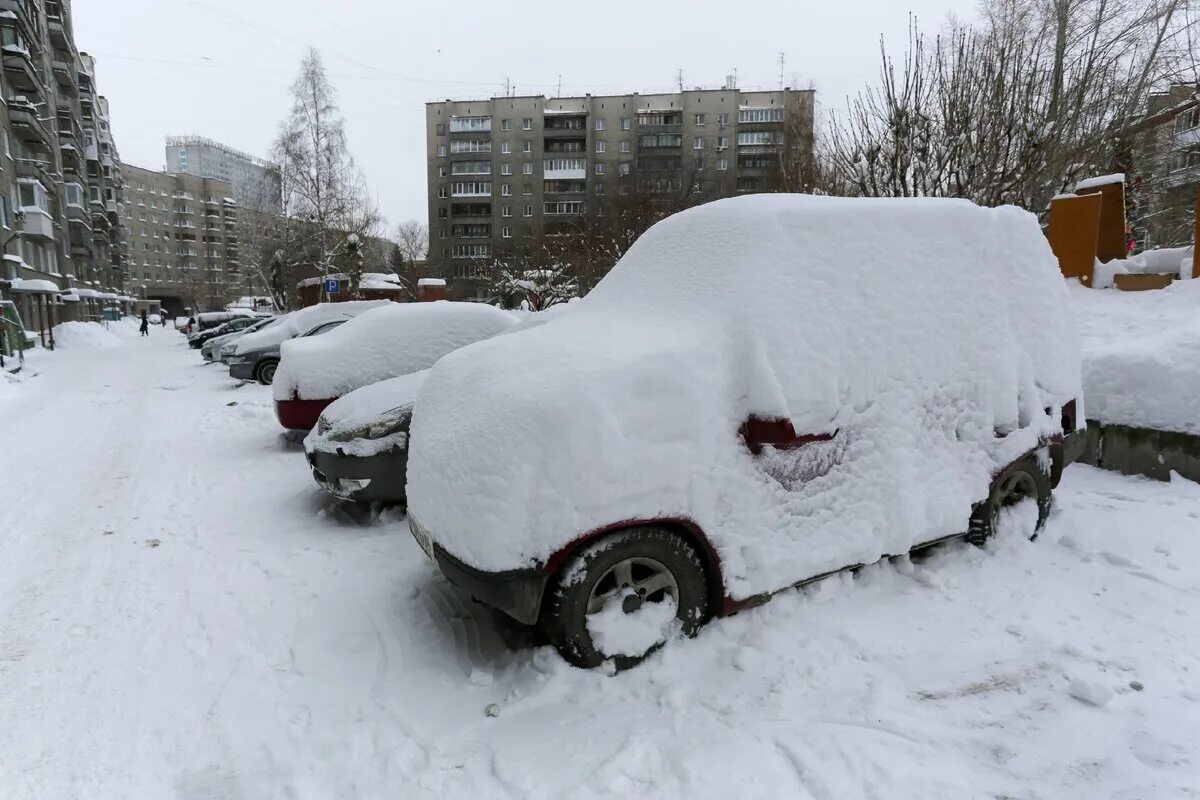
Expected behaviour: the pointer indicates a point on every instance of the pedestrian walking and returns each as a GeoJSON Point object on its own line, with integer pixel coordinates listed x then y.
{"type": "Point", "coordinates": [145, 329]}
{"type": "Point", "coordinates": [164, 319]}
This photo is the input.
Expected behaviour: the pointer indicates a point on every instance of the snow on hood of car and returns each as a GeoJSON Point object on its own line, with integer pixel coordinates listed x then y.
{"type": "Point", "coordinates": [361, 408]}
{"type": "Point", "coordinates": [382, 343]}
{"type": "Point", "coordinates": [289, 326]}
{"type": "Point", "coordinates": [913, 329]}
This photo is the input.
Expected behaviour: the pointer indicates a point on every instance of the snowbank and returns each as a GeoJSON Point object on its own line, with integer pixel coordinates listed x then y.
{"type": "Point", "coordinates": [383, 342]}
{"type": "Point", "coordinates": [84, 335]}
{"type": "Point", "coordinates": [1141, 356]}
{"type": "Point", "coordinates": [304, 320]}
{"type": "Point", "coordinates": [1100, 180]}
{"type": "Point", "coordinates": [910, 329]}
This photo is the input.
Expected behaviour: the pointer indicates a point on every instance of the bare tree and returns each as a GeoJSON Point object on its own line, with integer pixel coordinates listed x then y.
{"type": "Point", "coordinates": [412, 238]}
{"type": "Point", "coordinates": [324, 196]}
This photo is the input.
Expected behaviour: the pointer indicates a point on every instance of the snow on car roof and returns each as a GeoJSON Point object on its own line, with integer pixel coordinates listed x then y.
{"type": "Point", "coordinates": [920, 320]}
{"type": "Point", "coordinates": [394, 339]}
{"type": "Point", "coordinates": [304, 320]}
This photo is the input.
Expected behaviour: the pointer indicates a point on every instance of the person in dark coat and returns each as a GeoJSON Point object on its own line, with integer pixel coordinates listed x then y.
{"type": "Point", "coordinates": [145, 329]}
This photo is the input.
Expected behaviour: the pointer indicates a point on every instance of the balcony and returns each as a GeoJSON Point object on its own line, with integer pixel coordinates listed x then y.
{"type": "Point", "coordinates": [37, 223]}
{"type": "Point", "coordinates": [72, 160]}
{"type": "Point", "coordinates": [18, 66]}
{"type": "Point", "coordinates": [37, 170]}
{"type": "Point", "coordinates": [564, 169]}
{"type": "Point", "coordinates": [64, 74]}
{"type": "Point", "coordinates": [57, 28]}
{"type": "Point", "coordinates": [27, 125]}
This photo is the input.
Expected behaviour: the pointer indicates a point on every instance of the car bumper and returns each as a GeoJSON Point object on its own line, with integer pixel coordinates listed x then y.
{"type": "Point", "coordinates": [243, 371]}
{"type": "Point", "coordinates": [300, 415]}
{"type": "Point", "coordinates": [343, 475]}
{"type": "Point", "coordinates": [518, 593]}
{"type": "Point", "coordinates": [1074, 444]}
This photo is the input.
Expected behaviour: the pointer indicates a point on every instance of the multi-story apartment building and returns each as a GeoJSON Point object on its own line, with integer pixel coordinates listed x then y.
{"type": "Point", "coordinates": [256, 182]}
{"type": "Point", "coordinates": [1166, 168]}
{"type": "Point", "coordinates": [509, 171]}
{"type": "Point", "coordinates": [60, 180]}
{"type": "Point", "coordinates": [183, 238]}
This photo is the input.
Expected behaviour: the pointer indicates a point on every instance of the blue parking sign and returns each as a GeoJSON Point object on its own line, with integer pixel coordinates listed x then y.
{"type": "Point", "coordinates": [332, 286]}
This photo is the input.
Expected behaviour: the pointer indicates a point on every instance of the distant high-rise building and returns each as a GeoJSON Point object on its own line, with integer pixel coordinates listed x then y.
{"type": "Point", "coordinates": [509, 174]}
{"type": "Point", "coordinates": [256, 183]}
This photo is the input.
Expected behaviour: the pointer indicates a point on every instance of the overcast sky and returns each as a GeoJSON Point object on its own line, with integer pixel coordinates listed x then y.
{"type": "Point", "coordinates": [222, 68]}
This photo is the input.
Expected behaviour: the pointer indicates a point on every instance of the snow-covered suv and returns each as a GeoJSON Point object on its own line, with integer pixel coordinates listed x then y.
{"type": "Point", "coordinates": [764, 391]}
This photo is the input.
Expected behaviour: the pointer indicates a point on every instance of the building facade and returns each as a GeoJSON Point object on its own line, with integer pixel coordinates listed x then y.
{"type": "Point", "coordinates": [509, 171]}
{"type": "Point", "coordinates": [256, 182]}
{"type": "Point", "coordinates": [1165, 168]}
{"type": "Point", "coordinates": [183, 240]}
{"type": "Point", "coordinates": [61, 188]}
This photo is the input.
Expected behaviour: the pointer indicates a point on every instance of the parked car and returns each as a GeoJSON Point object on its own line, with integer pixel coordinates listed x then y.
{"type": "Point", "coordinates": [211, 349]}
{"type": "Point", "coordinates": [197, 340]}
{"type": "Point", "coordinates": [382, 343]}
{"type": "Point", "coordinates": [211, 319]}
{"type": "Point", "coordinates": [256, 355]}
{"type": "Point", "coordinates": [764, 391]}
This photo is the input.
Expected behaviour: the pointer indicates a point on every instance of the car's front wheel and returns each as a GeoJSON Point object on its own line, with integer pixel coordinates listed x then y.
{"type": "Point", "coordinates": [265, 374]}
{"type": "Point", "coordinates": [621, 597]}
{"type": "Point", "coordinates": [1019, 498]}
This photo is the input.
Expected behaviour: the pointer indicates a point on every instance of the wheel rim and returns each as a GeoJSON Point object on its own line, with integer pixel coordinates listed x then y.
{"type": "Point", "coordinates": [268, 373]}
{"type": "Point", "coordinates": [634, 581]}
{"type": "Point", "coordinates": [1015, 488]}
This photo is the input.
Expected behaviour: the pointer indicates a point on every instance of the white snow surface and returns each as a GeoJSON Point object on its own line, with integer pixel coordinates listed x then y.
{"type": "Point", "coordinates": [618, 633]}
{"type": "Point", "coordinates": [1141, 355]}
{"type": "Point", "coordinates": [362, 407]}
{"type": "Point", "coordinates": [912, 328]}
{"type": "Point", "coordinates": [275, 645]}
{"type": "Point", "coordinates": [1100, 180]}
{"type": "Point", "coordinates": [304, 320]}
{"type": "Point", "coordinates": [394, 339]}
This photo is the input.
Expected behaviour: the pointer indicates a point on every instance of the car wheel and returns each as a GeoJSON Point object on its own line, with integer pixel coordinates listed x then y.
{"type": "Point", "coordinates": [1022, 493]}
{"type": "Point", "coordinates": [265, 374]}
{"type": "Point", "coordinates": [622, 597]}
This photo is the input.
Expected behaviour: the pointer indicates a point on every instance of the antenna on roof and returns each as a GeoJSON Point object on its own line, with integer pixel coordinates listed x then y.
{"type": "Point", "coordinates": [507, 87]}
{"type": "Point", "coordinates": [781, 63]}
{"type": "Point", "coordinates": [679, 78]}
{"type": "Point", "coordinates": [559, 92]}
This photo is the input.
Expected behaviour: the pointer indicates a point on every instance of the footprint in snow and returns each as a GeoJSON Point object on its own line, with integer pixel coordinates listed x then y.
{"type": "Point", "coordinates": [153, 543]}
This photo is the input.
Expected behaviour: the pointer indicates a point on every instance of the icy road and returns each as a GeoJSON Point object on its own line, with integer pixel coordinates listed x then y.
{"type": "Point", "coordinates": [184, 615]}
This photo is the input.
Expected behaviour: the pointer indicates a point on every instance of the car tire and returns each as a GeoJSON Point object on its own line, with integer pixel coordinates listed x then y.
{"type": "Point", "coordinates": [264, 373]}
{"type": "Point", "coordinates": [644, 556]}
{"type": "Point", "coordinates": [1027, 478]}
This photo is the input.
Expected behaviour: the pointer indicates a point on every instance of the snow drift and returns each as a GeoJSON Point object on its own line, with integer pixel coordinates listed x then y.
{"type": "Point", "coordinates": [910, 330]}
{"type": "Point", "coordinates": [394, 339]}
{"type": "Point", "coordinates": [304, 320]}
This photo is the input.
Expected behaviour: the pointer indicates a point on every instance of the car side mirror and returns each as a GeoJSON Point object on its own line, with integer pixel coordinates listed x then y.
{"type": "Point", "coordinates": [778, 432]}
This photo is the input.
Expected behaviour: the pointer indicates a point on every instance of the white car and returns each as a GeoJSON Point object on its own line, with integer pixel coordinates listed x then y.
{"type": "Point", "coordinates": [765, 390]}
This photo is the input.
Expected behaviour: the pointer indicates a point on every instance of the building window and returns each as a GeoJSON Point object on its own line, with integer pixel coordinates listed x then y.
{"type": "Point", "coordinates": [441, 129]}
{"type": "Point", "coordinates": [526, 189]}
{"type": "Point", "coordinates": [505, 190]}
{"type": "Point", "coordinates": [599, 188]}
{"type": "Point", "coordinates": [528, 211]}
{"type": "Point", "coordinates": [471, 125]}
{"type": "Point", "coordinates": [699, 163]}
{"type": "Point", "coordinates": [722, 120]}
{"type": "Point", "coordinates": [564, 165]}
{"type": "Point", "coordinates": [506, 124]}
{"type": "Point", "coordinates": [441, 191]}
{"type": "Point", "coordinates": [699, 119]}
{"type": "Point", "coordinates": [698, 143]}
{"type": "Point", "coordinates": [623, 168]}
{"type": "Point", "coordinates": [722, 142]}
{"type": "Point", "coordinates": [442, 213]}
{"type": "Point", "coordinates": [506, 168]}
{"type": "Point", "coordinates": [527, 168]}
{"type": "Point", "coordinates": [441, 172]}
{"type": "Point", "coordinates": [471, 168]}
{"type": "Point", "coordinates": [527, 146]}
{"type": "Point", "coordinates": [506, 232]}
{"type": "Point", "coordinates": [471, 146]}
{"type": "Point", "coordinates": [506, 147]}
{"type": "Point", "coordinates": [471, 250]}
{"type": "Point", "coordinates": [527, 124]}
{"type": "Point", "coordinates": [624, 123]}
{"type": "Point", "coordinates": [722, 164]}
{"type": "Point", "coordinates": [600, 146]}
{"type": "Point", "coordinates": [760, 115]}
{"type": "Point", "coordinates": [4, 210]}
{"type": "Point", "coordinates": [506, 211]}
{"type": "Point", "coordinates": [623, 145]}
{"type": "Point", "coordinates": [471, 188]}
{"type": "Point", "coordinates": [562, 208]}
{"type": "Point", "coordinates": [752, 138]}
{"type": "Point", "coordinates": [441, 151]}
{"type": "Point", "coordinates": [600, 124]}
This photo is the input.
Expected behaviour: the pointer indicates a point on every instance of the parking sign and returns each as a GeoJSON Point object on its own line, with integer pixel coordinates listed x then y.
{"type": "Point", "coordinates": [332, 286]}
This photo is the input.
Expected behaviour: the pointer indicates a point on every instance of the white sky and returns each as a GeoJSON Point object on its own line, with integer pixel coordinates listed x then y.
{"type": "Point", "coordinates": [222, 68]}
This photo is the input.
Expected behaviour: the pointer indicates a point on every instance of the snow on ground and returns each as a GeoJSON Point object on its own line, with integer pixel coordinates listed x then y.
{"type": "Point", "coordinates": [183, 614]}
{"type": "Point", "coordinates": [1141, 355]}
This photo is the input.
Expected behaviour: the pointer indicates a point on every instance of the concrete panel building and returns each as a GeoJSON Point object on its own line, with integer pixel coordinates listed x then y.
{"type": "Point", "coordinates": [61, 188]}
{"type": "Point", "coordinates": [508, 171]}
{"type": "Point", "coordinates": [255, 181]}
{"type": "Point", "coordinates": [183, 239]}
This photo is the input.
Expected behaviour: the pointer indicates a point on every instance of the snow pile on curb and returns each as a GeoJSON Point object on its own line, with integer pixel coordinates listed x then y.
{"type": "Point", "coordinates": [83, 335]}
{"type": "Point", "coordinates": [383, 342]}
{"type": "Point", "coordinates": [1141, 356]}
{"type": "Point", "coordinates": [304, 320]}
{"type": "Point", "coordinates": [911, 329]}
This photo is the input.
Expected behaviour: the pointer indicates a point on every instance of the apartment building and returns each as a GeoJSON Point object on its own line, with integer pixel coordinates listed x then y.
{"type": "Point", "coordinates": [508, 171]}
{"type": "Point", "coordinates": [256, 183]}
{"type": "Point", "coordinates": [183, 239]}
{"type": "Point", "coordinates": [61, 187]}
{"type": "Point", "coordinates": [1165, 168]}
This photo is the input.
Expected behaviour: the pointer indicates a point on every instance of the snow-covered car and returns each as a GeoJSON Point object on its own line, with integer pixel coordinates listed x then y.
{"type": "Point", "coordinates": [763, 391]}
{"type": "Point", "coordinates": [197, 339]}
{"type": "Point", "coordinates": [256, 355]}
{"type": "Point", "coordinates": [211, 319]}
{"type": "Point", "coordinates": [382, 343]}
{"type": "Point", "coordinates": [359, 449]}
{"type": "Point", "coordinates": [211, 350]}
